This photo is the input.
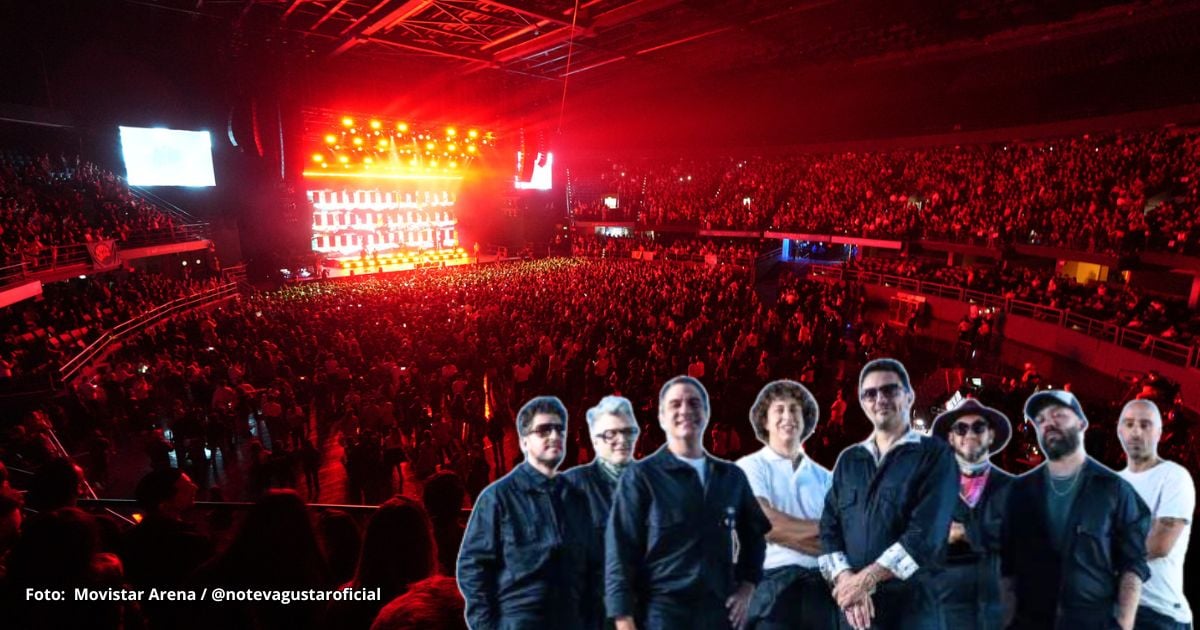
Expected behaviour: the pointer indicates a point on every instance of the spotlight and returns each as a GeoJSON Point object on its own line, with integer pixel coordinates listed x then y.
{"type": "Point", "coordinates": [375, 124]}
{"type": "Point", "coordinates": [330, 139]}
{"type": "Point", "coordinates": [348, 121]}
{"type": "Point", "coordinates": [317, 157]}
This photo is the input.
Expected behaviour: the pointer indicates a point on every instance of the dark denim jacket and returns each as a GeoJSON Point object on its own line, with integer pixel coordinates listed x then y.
{"type": "Point", "coordinates": [1107, 526]}
{"type": "Point", "coordinates": [669, 538]}
{"type": "Point", "coordinates": [909, 499]}
{"type": "Point", "coordinates": [523, 563]}
{"type": "Point", "coordinates": [970, 579]}
{"type": "Point", "coordinates": [592, 482]}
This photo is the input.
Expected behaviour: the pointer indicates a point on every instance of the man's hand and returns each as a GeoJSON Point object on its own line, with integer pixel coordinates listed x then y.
{"type": "Point", "coordinates": [624, 623]}
{"type": "Point", "coordinates": [738, 605]}
{"type": "Point", "coordinates": [853, 587]}
{"type": "Point", "coordinates": [958, 533]}
{"type": "Point", "coordinates": [860, 614]}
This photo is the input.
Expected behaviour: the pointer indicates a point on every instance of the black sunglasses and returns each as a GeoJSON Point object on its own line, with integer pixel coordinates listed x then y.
{"type": "Point", "coordinates": [979, 427]}
{"type": "Point", "coordinates": [545, 430]}
{"type": "Point", "coordinates": [889, 391]}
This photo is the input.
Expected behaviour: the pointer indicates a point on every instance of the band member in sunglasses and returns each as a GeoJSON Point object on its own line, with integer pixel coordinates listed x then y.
{"type": "Point", "coordinates": [524, 561]}
{"type": "Point", "coordinates": [685, 542]}
{"type": "Point", "coordinates": [970, 580]}
{"type": "Point", "coordinates": [883, 530]}
{"type": "Point", "coordinates": [614, 431]}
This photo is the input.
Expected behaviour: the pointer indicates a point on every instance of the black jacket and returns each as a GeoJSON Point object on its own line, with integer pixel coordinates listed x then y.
{"type": "Point", "coordinates": [592, 482]}
{"type": "Point", "coordinates": [1107, 527]}
{"type": "Point", "coordinates": [669, 538]}
{"type": "Point", "coordinates": [524, 559]}
{"type": "Point", "coordinates": [969, 582]}
{"type": "Point", "coordinates": [909, 500]}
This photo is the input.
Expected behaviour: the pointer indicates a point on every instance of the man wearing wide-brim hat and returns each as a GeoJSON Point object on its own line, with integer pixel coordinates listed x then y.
{"type": "Point", "coordinates": [970, 582]}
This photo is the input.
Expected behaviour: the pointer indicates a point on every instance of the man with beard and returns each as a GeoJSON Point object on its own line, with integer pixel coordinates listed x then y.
{"type": "Point", "coordinates": [883, 530]}
{"type": "Point", "coordinates": [614, 432]}
{"type": "Point", "coordinates": [1072, 562]}
{"type": "Point", "coordinates": [1168, 490]}
{"type": "Point", "coordinates": [970, 581]}
{"type": "Point", "coordinates": [791, 489]}
{"type": "Point", "coordinates": [671, 560]}
{"type": "Point", "coordinates": [525, 553]}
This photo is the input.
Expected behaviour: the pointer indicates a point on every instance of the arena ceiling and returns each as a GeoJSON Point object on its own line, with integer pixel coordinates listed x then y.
{"type": "Point", "coordinates": [659, 73]}
{"type": "Point", "coordinates": [553, 39]}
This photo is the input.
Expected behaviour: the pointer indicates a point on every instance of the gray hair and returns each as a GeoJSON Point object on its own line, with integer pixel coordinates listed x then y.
{"type": "Point", "coordinates": [615, 405]}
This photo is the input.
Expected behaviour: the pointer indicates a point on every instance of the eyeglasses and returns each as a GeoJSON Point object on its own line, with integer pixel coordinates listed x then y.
{"type": "Point", "coordinates": [611, 435]}
{"type": "Point", "coordinates": [961, 429]}
{"type": "Point", "coordinates": [545, 430]}
{"type": "Point", "coordinates": [889, 391]}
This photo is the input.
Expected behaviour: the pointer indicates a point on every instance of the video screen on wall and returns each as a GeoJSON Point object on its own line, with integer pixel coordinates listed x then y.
{"type": "Point", "coordinates": [167, 157]}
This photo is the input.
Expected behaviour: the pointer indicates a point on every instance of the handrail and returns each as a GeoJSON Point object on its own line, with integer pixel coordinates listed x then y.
{"type": "Point", "coordinates": [9, 273]}
{"type": "Point", "coordinates": [55, 256]}
{"type": "Point", "coordinates": [164, 206]}
{"type": "Point", "coordinates": [171, 234]}
{"type": "Point", "coordinates": [1152, 345]}
{"type": "Point", "coordinates": [72, 367]}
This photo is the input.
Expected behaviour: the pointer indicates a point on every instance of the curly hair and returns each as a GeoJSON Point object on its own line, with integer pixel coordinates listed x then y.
{"type": "Point", "coordinates": [781, 389]}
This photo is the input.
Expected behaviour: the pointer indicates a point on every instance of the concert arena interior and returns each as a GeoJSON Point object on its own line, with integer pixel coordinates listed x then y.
{"type": "Point", "coordinates": [316, 254]}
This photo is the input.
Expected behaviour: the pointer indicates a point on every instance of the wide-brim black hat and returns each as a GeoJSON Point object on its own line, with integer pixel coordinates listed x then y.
{"type": "Point", "coordinates": [971, 407]}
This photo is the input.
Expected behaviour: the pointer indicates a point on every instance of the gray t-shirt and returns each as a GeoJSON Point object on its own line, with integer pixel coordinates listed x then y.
{"type": "Point", "coordinates": [1058, 505]}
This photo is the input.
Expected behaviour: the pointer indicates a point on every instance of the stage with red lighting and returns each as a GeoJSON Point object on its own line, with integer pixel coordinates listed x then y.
{"type": "Point", "coordinates": [383, 193]}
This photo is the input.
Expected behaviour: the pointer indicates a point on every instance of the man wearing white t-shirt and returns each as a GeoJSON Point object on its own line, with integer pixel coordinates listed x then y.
{"type": "Point", "coordinates": [1168, 491]}
{"type": "Point", "coordinates": [791, 488]}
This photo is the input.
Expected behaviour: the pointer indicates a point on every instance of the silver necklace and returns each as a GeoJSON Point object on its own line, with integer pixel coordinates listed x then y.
{"type": "Point", "coordinates": [1070, 484]}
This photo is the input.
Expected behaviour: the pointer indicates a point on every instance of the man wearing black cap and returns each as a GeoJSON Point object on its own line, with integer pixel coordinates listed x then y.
{"type": "Point", "coordinates": [970, 581]}
{"type": "Point", "coordinates": [1071, 562]}
{"type": "Point", "coordinates": [884, 526]}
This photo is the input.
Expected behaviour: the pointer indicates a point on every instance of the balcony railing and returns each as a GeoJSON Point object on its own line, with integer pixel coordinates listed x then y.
{"type": "Point", "coordinates": [210, 296]}
{"type": "Point", "coordinates": [1152, 345]}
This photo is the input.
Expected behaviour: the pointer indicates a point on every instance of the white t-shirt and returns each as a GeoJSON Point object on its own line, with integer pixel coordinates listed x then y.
{"type": "Point", "coordinates": [700, 464]}
{"type": "Point", "coordinates": [1169, 492]}
{"type": "Point", "coordinates": [799, 493]}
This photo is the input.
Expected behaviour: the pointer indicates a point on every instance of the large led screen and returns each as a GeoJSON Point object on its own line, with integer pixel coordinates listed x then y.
{"type": "Point", "coordinates": [167, 157]}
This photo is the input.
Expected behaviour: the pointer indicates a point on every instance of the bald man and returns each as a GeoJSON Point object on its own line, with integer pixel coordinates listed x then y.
{"type": "Point", "coordinates": [1167, 489]}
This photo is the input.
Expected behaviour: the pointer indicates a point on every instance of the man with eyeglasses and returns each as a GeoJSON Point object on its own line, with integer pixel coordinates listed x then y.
{"type": "Point", "coordinates": [791, 489]}
{"type": "Point", "coordinates": [1074, 543]}
{"type": "Point", "coordinates": [887, 513]}
{"type": "Point", "coordinates": [524, 560]}
{"type": "Point", "coordinates": [970, 581]}
{"type": "Point", "coordinates": [685, 542]}
{"type": "Point", "coordinates": [614, 433]}
{"type": "Point", "coordinates": [1167, 488]}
